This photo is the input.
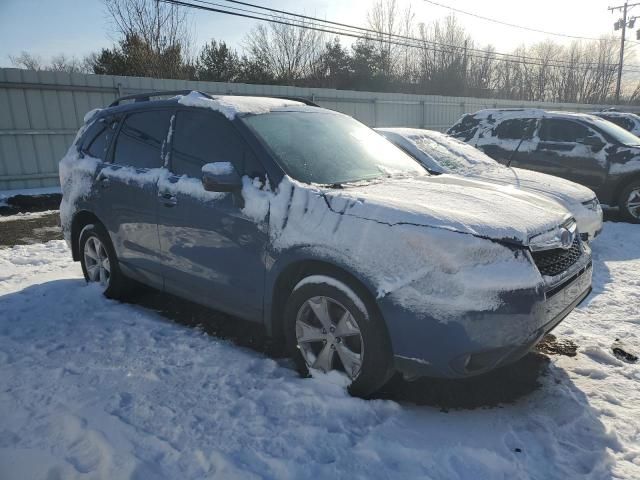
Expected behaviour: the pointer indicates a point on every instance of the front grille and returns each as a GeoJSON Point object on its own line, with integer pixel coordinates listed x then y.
{"type": "Point", "coordinates": [556, 261]}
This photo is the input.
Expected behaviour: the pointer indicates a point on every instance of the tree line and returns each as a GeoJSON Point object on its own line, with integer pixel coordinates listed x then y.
{"type": "Point", "coordinates": [154, 41]}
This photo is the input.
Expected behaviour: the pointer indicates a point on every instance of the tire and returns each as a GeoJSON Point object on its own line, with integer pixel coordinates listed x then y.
{"type": "Point", "coordinates": [370, 345]}
{"type": "Point", "coordinates": [100, 263]}
{"type": "Point", "coordinates": [629, 196]}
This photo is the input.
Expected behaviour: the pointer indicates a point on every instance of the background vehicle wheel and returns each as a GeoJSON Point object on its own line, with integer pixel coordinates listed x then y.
{"type": "Point", "coordinates": [99, 261]}
{"type": "Point", "coordinates": [328, 327]}
{"type": "Point", "coordinates": [629, 202]}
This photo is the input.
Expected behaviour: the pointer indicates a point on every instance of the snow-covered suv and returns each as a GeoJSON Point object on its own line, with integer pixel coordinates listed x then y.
{"type": "Point", "coordinates": [440, 153]}
{"type": "Point", "coordinates": [583, 148]}
{"type": "Point", "coordinates": [310, 223]}
{"type": "Point", "coordinates": [629, 121]}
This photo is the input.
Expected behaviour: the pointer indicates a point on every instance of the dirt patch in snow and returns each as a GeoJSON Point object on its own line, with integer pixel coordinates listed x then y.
{"type": "Point", "coordinates": [28, 229]}
{"type": "Point", "coordinates": [552, 346]}
{"type": "Point", "coordinates": [30, 203]}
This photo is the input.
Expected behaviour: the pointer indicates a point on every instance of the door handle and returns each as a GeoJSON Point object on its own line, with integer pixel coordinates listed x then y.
{"type": "Point", "coordinates": [168, 199]}
{"type": "Point", "coordinates": [105, 182]}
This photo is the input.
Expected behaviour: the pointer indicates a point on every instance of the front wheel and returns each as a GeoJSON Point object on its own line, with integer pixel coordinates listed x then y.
{"type": "Point", "coordinates": [99, 261]}
{"type": "Point", "coordinates": [329, 328]}
{"type": "Point", "coordinates": [629, 202]}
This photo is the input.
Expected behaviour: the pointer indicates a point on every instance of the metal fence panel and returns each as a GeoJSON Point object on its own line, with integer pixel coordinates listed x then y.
{"type": "Point", "coordinates": [41, 111]}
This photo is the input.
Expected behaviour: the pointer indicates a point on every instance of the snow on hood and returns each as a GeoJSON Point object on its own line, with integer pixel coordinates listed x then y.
{"type": "Point", "coordinates": [231, 106]}
{"type": "Point", "coordinates": [436, 272]}
{"type": "Point", "coordinates": [453, 203]}
{"type": "Point", "coordinates": [566, 190]}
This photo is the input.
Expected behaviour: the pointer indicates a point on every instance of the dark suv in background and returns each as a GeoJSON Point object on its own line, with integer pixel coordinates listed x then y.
{"type": "Point", "coordinates": [579, 147]}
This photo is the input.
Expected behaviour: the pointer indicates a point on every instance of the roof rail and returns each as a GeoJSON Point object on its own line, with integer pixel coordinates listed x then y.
{"type": "Point", "coordinates": [145, 97]}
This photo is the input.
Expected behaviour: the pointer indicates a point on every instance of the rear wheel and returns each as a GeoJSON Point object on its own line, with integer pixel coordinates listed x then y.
{"type": "Point", "coordinates": [329, 328]}
{"type": "Point", "coordinates": [99, 261]}
{"type": "Point", "coordinates": [629, 202]}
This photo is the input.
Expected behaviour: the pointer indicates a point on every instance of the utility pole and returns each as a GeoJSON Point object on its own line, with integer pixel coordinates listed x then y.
{"type": "Point", "coordinates": [622, 24]}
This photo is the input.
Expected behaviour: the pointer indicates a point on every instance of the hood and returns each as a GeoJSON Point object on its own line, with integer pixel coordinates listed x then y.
{"type": "Point", "coordinates": [559, 188]}
{"type": "Point", "coordinates": [454, 203]}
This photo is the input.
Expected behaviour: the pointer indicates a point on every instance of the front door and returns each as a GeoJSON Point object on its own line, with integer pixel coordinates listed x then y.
{"type": "Point", "coordinates": [563, 152]}
{"type": "Point", "coordinates": [213, 253]}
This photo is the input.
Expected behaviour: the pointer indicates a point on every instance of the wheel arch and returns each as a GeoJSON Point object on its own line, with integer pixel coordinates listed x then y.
{"type": "Point", "coordinates": [80, 220]}
{"type": "Point", "coordinates": [623, 183]}
{"type": "Point", "coordinates": [287, 273]}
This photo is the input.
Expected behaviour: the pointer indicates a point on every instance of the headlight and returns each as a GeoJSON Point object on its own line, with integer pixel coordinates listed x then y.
{"type": "Point", "coordinates": [561, 237]}
{"type": "Point", "coordinates": [593, 205]}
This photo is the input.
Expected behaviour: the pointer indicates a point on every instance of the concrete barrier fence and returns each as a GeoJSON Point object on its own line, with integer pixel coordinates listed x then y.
{"type": "Point", "coordinates": [41, 111]}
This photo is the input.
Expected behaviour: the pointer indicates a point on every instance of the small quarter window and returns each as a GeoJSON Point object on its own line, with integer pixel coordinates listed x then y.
{"type": "Point", "coordinates": [98, 137]}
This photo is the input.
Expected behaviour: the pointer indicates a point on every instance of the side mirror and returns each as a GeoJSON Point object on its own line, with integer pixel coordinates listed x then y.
{"type": "Point", "coordinates": [594, 142]}
{"type": "Point", "coordinates": [220, 177]}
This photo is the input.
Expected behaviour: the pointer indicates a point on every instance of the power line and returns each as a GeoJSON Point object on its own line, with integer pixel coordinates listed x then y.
{"type": "Point", "coordinates": [518, 59]}
{"type": "Point", "coordinates": [513, 25]}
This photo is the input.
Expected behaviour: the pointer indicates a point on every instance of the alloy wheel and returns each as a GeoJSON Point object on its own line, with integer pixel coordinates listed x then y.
{"type": "Point", "coordinates": [328, 337]}
{"type": "Point", "coordinates": [633, 203]}
{"type": "Point", "coordinates": [96, 261]}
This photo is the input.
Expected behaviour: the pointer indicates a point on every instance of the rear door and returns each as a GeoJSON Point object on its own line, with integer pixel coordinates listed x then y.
{"type": "Point", "coordinates": [562, 152]}
{"type": "Point", "coordinates": [128, 186]}
{"type": "Point", "coordinates": [213, 254]}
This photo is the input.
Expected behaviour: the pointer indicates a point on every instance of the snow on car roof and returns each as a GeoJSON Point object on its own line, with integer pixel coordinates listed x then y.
{"type": "Point", "coordinates": [230, 105]}
{"type": "Point", "coordinates": [616, 114]}
{"type": "Point", "coordinates": [504, 113]}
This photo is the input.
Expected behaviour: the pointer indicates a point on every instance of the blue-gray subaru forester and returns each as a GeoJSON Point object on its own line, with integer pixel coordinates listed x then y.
{"type": "Point", "coordinates": [306, 221]}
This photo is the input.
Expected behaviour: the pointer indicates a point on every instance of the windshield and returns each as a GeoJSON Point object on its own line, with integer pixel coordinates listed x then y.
{"type": "Point", "coordinates": [619, 134]}
{"type": "Point", "coordinates": [451, 154]}
{"type": "Point", "coordinates": [329, 148]}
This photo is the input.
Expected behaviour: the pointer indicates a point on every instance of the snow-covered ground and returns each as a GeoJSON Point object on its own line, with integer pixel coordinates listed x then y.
{"type": "Point", "coordinates": [92, 388]}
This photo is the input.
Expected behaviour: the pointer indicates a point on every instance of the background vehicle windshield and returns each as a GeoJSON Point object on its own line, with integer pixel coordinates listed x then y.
{"type": "Point", "coordinates": [618, 133]}
{"type": "Point", "coordinates": [451, 154]}
{"type": "Point", "coordinates": [328, 148]}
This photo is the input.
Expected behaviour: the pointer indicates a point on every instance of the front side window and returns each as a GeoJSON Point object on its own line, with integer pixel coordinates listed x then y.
{"type": "Point", "coordinates": [329, 148]}
{"type": "Point", "coordinates": [557, 130]}
{"type": "Point", "coordinates": [141, 138]}
{"type": "Point", "coordinates": [516, 129]}
{"type": "Point", "coordinates": [202, 137]}
{"type": "Point", "coordinates": [619, 134]}
{"type": "Point", "coordinates": [621, 122]}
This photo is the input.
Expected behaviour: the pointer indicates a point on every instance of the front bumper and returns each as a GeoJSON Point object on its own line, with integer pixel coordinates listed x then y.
{"type": "Point", "coordinates": [589, 222]}
{"type": "Point", "coordinates": [478, 342]}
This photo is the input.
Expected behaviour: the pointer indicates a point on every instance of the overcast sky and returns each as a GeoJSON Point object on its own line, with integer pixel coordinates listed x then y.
{"type": "Point", "coordinates": [78, 27]}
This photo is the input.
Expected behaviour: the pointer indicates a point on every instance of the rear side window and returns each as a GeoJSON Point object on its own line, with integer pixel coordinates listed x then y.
{"type": "Point", "coordinates": [515, 129]}
{"type": "Point", "coordinates": [557, 130]}
{"type": "Point", "coordinates": [202, 137]}
{"type": "Point", "coordinates": [465, 128]}
{"type": "Point", "coordinates": [97, 139]}
{"type": "Point", "coordinates": [141, 139]}
{"type": "Point", "coordinates": [621, 122]}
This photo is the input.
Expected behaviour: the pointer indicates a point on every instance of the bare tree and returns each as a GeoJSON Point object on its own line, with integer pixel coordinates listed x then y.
{"type": "Point", "coordinates": [153, 36]}
{"type": "Point", "coordinates": [388, 20]}
{"type": "Point", "coordinates": [27, 61]}
{"type": "Point", "coordinates": [58, 63]}
{"type": "Point", "coordinates": [289, 52]}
